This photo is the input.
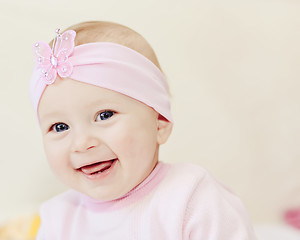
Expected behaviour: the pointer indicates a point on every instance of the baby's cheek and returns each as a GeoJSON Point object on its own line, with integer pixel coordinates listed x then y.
{"type": "Point", "coordinates": [118, 136]}
{"type": "Point", "coordinates": [54, 153]}
{"type": "Point", "coordinates": [125, 146]}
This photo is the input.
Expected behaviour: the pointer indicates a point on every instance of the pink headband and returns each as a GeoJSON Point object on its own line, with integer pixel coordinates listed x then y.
{"type": "Point", "coordinates": [103, 64]}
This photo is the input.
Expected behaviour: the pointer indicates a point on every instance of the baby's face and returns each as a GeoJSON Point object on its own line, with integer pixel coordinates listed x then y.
{"type": "Point", "coordinates": [97, 141]}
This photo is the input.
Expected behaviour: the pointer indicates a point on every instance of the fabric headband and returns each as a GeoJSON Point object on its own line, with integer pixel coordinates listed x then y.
{"type": "Point", "coordinates": [104, 64]}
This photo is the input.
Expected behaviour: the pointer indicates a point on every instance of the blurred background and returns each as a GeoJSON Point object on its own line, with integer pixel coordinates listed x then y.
{"type": "Point", "coordinates": [233, 70]}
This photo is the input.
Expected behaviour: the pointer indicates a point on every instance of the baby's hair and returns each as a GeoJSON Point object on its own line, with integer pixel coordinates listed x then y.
{"type": "Point", "coordinates": [101, 31]}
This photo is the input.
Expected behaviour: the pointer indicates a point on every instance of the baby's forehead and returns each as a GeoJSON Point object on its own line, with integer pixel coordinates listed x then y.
{"type": "Point", "coordinates": [68, 92]}
{"type": "Point", "coordinates": [67, 100]}
{"type": "Point", "coordinates": [67, 89]}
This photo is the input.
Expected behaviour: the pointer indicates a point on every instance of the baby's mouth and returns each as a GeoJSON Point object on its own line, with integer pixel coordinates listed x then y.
{"type": "Point", "coordinates": [97, 168]}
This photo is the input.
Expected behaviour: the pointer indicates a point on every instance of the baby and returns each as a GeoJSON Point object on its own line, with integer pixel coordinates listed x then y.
{"type": "Point", "coordinates": [102, 103]}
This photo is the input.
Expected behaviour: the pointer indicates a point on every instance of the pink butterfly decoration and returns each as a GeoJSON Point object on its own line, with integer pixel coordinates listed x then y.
{"type": "Point", "coordinates": [55, 61]}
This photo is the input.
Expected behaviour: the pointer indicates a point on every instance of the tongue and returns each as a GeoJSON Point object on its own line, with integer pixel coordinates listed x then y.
{"type": "Point", "coordinates": [96, 167]}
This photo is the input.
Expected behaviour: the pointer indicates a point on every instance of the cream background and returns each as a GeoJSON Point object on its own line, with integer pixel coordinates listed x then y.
{"type": "Point", "coordinates": [233, 69]}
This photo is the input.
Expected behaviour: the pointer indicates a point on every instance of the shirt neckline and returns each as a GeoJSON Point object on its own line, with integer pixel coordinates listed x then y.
{"type": "Point", "coordinates": [137, 193]}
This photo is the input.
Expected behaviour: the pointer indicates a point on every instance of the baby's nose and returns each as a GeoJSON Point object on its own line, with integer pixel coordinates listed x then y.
{"type": "Point", "coordinates": [82, 142]}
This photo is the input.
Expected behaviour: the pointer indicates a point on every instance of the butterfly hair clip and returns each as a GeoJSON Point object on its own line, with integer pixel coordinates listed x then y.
{"type": "Point", "coordinates": [55, 61]}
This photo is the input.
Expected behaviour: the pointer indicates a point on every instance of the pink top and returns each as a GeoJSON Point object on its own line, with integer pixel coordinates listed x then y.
{"type": "Point", "coordinates": [175, 202]}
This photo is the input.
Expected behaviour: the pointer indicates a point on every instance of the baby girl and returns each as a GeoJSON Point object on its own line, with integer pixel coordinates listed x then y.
{"type": "Point", "coordinates": [102, 104]}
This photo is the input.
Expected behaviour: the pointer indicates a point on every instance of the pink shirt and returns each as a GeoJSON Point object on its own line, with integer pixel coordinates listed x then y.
{"type": "Point", "coordinates": [175, 202]}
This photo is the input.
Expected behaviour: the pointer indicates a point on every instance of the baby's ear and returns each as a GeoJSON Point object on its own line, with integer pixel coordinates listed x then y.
{"type": "Point", "coordinates": [164, 129]}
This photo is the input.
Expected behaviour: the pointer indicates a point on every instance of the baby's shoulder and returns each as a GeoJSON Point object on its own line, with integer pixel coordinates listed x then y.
{"type": "Point", "coordinates": [190, 179]}
{"type": "Point", "coordinates": [189, 168]}
{"type": "Point", "coordinates": [187, 173]}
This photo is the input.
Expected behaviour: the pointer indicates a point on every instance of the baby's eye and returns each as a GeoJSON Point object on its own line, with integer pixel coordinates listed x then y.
{"type": "Point", "coordinates": [105, 115]}
{"type": "Point", "coordinates": [59, 127]}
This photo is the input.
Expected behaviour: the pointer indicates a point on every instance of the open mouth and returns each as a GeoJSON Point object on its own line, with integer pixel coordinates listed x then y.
{"type": "Point", "coordinates": [97, 168]}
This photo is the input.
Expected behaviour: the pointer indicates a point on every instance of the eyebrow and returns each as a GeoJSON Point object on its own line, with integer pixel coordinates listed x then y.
{"type": "Point", "coordinates": [49, 115]}
{"type": "Point", "coordinates": [91, 104]}
{"type": "Point", "coordinates": [103, 104]}
{"type": "Point", "coordinates": [104, 101]}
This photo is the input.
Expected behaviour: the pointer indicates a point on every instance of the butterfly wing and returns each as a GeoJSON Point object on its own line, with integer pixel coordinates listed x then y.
{"type": "Point", "coordinates": [64, 47]}
{"type": "Point", "coordinates": [42, 55]}
{"type": "Point", "coordinates": [49, 76]}
{"type": "Point", "coordinates": [65, 69]}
